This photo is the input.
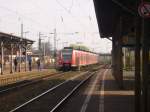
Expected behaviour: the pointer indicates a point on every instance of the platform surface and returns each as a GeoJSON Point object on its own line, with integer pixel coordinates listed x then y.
{"type": "Point", "coordinates": [102, 94]}
{"type": "Point", "coordinates": [8, 78]}
{"type": "Point", "coordinates": [116, 100]}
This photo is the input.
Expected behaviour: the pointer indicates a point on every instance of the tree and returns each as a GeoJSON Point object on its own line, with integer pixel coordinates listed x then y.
{"type": "Point", "coordinates": [81, 47]}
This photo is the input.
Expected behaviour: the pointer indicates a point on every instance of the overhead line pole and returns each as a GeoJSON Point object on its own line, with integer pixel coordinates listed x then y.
{"type": "Point", "coordinates": [49, 45]}
{"type": "Point", "coordinates": [39, 41]}
{"type": "Point", "coordinates": [40, 47]}
{"type": "Point", "coordinates": [55, 49]}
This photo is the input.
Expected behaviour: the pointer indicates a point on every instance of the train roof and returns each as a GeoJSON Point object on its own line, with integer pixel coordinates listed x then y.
{"type": "Point", "coordinates": [79, 49]}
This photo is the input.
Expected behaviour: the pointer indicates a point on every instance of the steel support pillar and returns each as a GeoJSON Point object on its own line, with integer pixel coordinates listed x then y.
{"type": "Point", "coordinates": [137, 65]}
{"type": "Point", "coordinates": [117, 62]}
{"type": "Point", "coordinates": [145, 62]}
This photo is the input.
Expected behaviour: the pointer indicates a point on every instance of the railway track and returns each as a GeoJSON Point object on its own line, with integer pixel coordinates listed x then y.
{"type": "Point", "coordinates": [22, 95]}
{"type": "Point", "coordinates": [60, 105]}
{"type": "Point", "coordinates": [28, 82]}
{"type": "Point", "coordinates": [51, 99]}
{"type": "Point", "coordinates": [70, 94]}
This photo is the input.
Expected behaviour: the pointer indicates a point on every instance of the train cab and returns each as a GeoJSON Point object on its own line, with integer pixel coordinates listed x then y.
{"type": "Point", "coordinates": [66, 58]}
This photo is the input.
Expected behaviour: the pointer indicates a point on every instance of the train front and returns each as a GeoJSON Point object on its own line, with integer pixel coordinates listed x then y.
{"type": "Point", "coordinates": [66, 59]}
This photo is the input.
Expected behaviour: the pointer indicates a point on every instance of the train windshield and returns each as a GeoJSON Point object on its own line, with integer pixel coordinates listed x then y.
{"type": "Point", "coordinates": [67, 54]}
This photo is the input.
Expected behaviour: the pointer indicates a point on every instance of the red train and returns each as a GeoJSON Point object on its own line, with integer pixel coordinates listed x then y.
{"type": "Point", "coordinates": [70, 58]}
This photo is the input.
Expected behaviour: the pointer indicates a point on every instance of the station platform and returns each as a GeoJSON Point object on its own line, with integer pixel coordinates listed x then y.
{"type": "Point", "coordinates": [8, 78]}
{"type": "Point", "coordinates": [102, 94]}
{"type": "Point", "coordinates": [116, 100]}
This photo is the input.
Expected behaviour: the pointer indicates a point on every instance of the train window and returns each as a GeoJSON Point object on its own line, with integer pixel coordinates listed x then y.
{"type": "Point", "coordinates": [67, 57]}
{"type": "Point", "coordinates": [67, 54]}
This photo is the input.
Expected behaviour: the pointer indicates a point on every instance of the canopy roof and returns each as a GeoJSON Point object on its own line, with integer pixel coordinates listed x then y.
{"type": "Point", "coordinates": [108, 13]}
{"type": "Point", "coordinates": [8, 38]}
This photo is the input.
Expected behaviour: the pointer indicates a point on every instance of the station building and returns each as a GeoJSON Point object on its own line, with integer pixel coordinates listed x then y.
{"type": "Point", "coordinates": [12, 47]}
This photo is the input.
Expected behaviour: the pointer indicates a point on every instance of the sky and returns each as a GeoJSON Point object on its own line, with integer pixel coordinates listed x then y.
{"type": "Point", "coordinates": [74, 20]}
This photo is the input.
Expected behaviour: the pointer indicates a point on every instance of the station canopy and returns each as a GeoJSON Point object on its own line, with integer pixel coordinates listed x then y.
{"type": "Point", "coordinates": [108, 13]}
{"type": "Point", "coordinates": [12, 39]}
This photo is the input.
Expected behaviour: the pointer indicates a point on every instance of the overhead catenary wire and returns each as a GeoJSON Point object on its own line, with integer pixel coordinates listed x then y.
{"type": "Point", "coordinates": [69, 10]}
{"type": "Point", "coordinates": [23, 16]}
{"type": "Point", "coordinates": [70, 13]}
{"type": "Point", "coordinates": [36, 5]}
{"type": "Point", "coordinates": [71, 6]}
{"type": "Point", "coordinates": [90, 17]}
